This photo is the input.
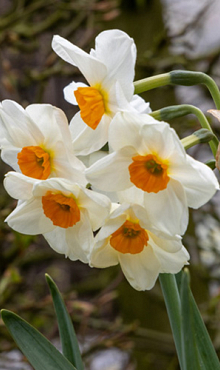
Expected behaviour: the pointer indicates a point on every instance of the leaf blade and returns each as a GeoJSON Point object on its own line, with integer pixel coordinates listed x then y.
{"type": "Point", "coordinates": [38, 350]}
{"type": "Point", "coordinates": [68, 337]}
{"type": "Point", "coordinates": [199, 350]}
{"type": "Point", "coordinates": [191, 359]}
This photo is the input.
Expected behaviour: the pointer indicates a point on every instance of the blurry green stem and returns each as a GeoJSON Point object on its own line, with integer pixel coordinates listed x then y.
{"type": "Point", "coordinates": [199, 136]}
{"type": "Point", "coordinates": [151, 83]}
{"type": "Point", "coordinates": [182, 110]}
{"type": "Point", "coordinates": [172, 300]}
{"type": "Point", "coordinates": [185, 78]}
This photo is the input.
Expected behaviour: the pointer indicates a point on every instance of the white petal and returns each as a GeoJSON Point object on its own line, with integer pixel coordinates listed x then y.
{"type": "Point", "coordinates": [132, 195]}
{"type": "Point", "coordinates": [80, 240]}
{"type": "Point", "coordinates": [86, 140]}
{"type": "Point", "coordinates": [174, 262]}
{"type": "Point", "coordinates": [64, 186]}
{"type": "Point", "coordinates": [198, 180]}
{"type": "Point", "coordinates": [9, 156]}
{"type": "Point", "coordinates": [57, 240]}
{"type": "Point", "coordinates": [117, 100]}
{"type": "Point", "coordinates": [171, 254]}
{"type": "Point", "coordinates": [93, 70]}
{"type": "Point", "coordinates": [17, 127]}
{"type": "Point", "coordinates": [163, 140]}
{"type": "Point", "coordinates": [111, 172]}
{"type": "Point", "coordinates": [140, 105]}
{"type": "Point", "coordinates": [29, 218]}
{"type": "Point", "coordinates": [168, 209]}
{"type": "Point", "coordinates": [73, 241]}
{"type": "Point", "coordinates": [18, 185]}
{"type": "Point", "coordinates": [67, 171]}
{"type": "Point", "coordinates": [118, 52]}
{"type": "Point", "coordinates": [125, 130]}
{"type": "Point", "coordinates": [69, 91]}
{"type": "Point", "coordinates": [95, 156]}
{"type": "Point", "coordinates": [112, 195]}
{"type": "Point", "coordinates": [52, 123]}
{"type": "Point", "coordinates": [50, 129]}
{"type": "Point", "coordinates": [141, 270]}
{"type": "Point", "coordinates": [13, 109]}
{"type": "Point", "coordinates": [110, 227]}
{"type": "Point", "coordinates": [96, 205]}
{"type": "Point", "coordinates": [103, 255]}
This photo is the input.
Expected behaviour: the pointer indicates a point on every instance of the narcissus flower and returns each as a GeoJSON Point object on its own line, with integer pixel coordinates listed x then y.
{"type": "Point", "coordinates": [109, 70]}
{"type": "Point", "coordinates": [36, 142]}
{"type": "Point", "coordinates": [65, 213]}
{"type": "Point", "coordinates": [129, 238]}
{"type": "Point", "coordinates": [150, 167]}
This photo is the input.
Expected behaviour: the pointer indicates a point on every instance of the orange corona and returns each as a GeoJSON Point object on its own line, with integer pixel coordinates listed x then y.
{"type": "Point", "coordinates": [129, 238]}
{"type": "Point", "coordinates": [91, 104]}
{"type": "Point", "coordinates": [149, 173]}
{"type": "Point", "coordinates": [62, 210]}
{"type": "Point", "coordinates": [34, 162]}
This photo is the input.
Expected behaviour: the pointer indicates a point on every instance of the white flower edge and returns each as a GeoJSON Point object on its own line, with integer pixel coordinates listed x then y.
{"type": "Point", "coordinates": [29, 218]}
{"type": "Point", "coordinates": [163, 254]}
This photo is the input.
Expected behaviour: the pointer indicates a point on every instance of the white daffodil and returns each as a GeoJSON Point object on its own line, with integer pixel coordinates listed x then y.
{"type": "Point", "coordinates": [109, 70]}
{"type": "Point", "coordinates": [150, 167]}
{"type": "Point", "coordinates": [65, 213]}
{"type": "Point", "coordinates": [129, 238]}
{"type": "Point", "coordinates": [36, 141]}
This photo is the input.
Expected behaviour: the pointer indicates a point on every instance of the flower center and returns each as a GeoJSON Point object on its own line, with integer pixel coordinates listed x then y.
{"type": "Point", "coordinates": [34, 162]}
{"type": "Point", "coordinates": [91, 104]}
{"type": "Point", "coordinates": [149, 173]}
{"type": "Point", "coordinates": [129, 238]}
{"type": "Point", "coordinates": [62, 210]}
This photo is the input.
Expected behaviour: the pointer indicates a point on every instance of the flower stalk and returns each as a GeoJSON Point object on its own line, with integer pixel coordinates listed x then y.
{"type": "Point", "coordinates": [198, 137]}
{"type": "Point", "coordinates": [182, 110]}
{"type": "Point", "coordinates": [183, 78]}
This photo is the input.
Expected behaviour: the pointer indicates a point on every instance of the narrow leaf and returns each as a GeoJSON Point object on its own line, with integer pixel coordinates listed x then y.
{"type": "Point", "coordinates": [205, 346]}
{"type": "Point", "coordinates": [39, 351]}
{"type": "Point", "coordinates": [196, 337]}
{"type": "Point", "coordinates": [172, 300]}
{"type": "Point", "coordinates": [68, 337]}
{"type": "Point", "coordinates": [189, 346]}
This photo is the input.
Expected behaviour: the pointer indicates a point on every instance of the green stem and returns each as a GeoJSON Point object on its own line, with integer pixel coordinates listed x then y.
{"type": "Point", "coordinates": [198, 137]}
{"type": "Point", "coordinates": [185, 78]}
{"type": "Point", "coordinates": [151, 83]}
{"type": "Point", "coordinates": [173, 305]}
{"type": "Point", "coordinates": [182, 110]}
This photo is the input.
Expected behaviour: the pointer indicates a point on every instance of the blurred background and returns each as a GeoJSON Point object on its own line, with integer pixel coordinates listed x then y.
{"type": "Point", "coordinates": [118, 327]}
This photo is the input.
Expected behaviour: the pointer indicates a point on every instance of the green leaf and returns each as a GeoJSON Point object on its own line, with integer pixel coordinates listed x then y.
{"type": "Point", "coordinates": [39, 351]}
{"type": "Point", "coordinates": [191, 358]}
{"type": "Point", "coordinates": [173, 305]}
{"type": "Point", "coordinates": [205, 346]}
{"type": "Point", "coordinates": [68, 337]}
{"type": "Point", "coordinates": [198, 349]}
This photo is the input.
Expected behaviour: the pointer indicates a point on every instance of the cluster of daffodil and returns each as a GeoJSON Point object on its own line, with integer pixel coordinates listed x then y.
{"type": "Point", "coordinates": [128, 206]}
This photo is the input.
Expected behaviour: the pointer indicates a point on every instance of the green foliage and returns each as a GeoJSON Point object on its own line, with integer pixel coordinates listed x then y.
{"type": "Point", "coordinates": [198, 350]}
{"type": "Point", "coordinates": [67, 333]}
{"type": "Point", "coordinates": [38, 350]}
{"type": "Point", "coordinates": [193, 344]}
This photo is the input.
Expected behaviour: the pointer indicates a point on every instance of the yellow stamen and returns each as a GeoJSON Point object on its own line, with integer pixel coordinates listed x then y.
{"type": "Point", "coordinates": [34, 162]}
{"type": "Point", "coordinates": [149, 173]}
{"type": "Point", "coordinates": [129, 238]}
{"type": "Point", "coordinates": [62, 210]}
{"type": "Point", "coordinates": [91, 104]}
